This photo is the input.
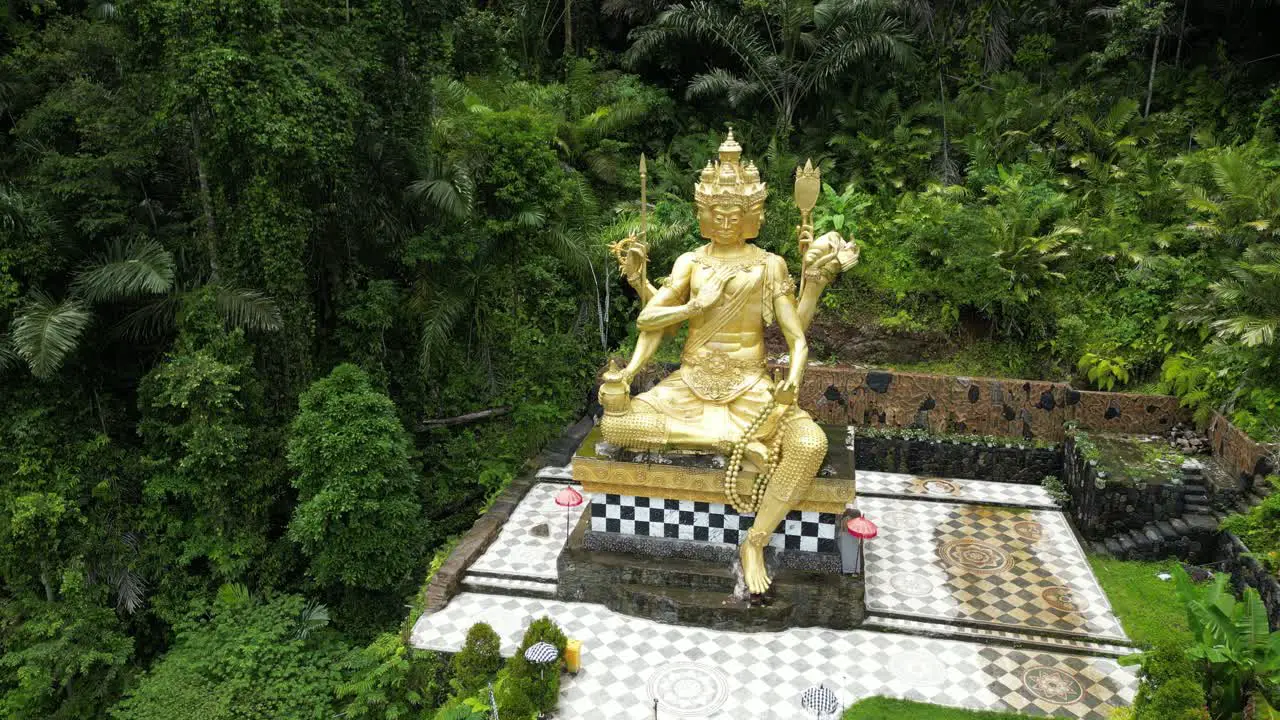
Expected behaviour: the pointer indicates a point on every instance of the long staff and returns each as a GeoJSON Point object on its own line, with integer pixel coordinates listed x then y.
{"type": "Point", "coordinates": [644, 204]}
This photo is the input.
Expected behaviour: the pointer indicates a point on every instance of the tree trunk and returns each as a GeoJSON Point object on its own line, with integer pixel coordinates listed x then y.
{"type": "Point", "coordinates": [1182, 30]}
{"type": "Point", "coordinates": [1151, 77]}
{"type": "Point", "coordinates": [568, 28]}
{"type": "Point", "coordinates": [206, 201]}
{"type": "Point", "coordinates": [946, 138]}
{"type": "Point", "coordinates": [466, 418]}
{"type": "Point", "coordinates": [48, 586]}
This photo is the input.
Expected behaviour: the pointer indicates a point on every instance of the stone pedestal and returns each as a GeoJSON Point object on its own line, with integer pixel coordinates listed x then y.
{"type": "Point", "coordinates": [659, 541]}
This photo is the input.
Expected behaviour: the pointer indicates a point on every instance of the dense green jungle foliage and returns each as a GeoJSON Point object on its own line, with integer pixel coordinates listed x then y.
{"type": "Point", "coordinates": [257, 255]}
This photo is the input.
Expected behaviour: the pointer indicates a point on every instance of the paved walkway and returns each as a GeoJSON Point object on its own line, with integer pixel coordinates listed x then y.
{"type": "Point", "coordinates": [985, 577]}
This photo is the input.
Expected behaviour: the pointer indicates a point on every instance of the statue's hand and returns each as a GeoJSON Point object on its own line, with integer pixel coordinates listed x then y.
{"type": "Point", "coordinates": [632, 254]}
{"type": "Point", "coordinates": [848, 255]}
{"type": "Point", "coordinates": [785, 392]}
{"type": "Point", "coordinates": [713, 287]}
{"type": "Point", "coordinates": [829, 256]}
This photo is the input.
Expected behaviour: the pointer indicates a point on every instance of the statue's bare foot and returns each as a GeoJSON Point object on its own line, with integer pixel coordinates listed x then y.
{"type": "Point", "coordinates": [753, 568]}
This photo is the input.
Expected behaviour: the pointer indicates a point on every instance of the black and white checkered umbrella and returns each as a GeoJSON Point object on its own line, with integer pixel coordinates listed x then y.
{"type": "Point", "coordinates": [541, 653]}
{"type": "Point", "coordinates": [819, 700]}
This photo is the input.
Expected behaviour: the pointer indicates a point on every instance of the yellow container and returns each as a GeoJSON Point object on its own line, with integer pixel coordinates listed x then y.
{"type": "Point", "coordinates": [573, 655]}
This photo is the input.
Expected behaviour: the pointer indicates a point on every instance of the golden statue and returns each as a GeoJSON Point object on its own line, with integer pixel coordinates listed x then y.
{"type": "Point", "coordinates": [721, 398]}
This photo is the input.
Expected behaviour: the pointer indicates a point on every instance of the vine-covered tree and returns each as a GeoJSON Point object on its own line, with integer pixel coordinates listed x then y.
{"type": "Point", "coordinates": [359, 516]}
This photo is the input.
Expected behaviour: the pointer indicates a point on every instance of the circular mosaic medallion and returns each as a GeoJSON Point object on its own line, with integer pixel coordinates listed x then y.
{"type": "Point", "coordinates": [1028, 530]}
{"type": "Point", "coordinates": [1053, 685]}
{"type": "Point", "coordinates": [688, 689]}
{"type": "Point", "coordinates": [899, 520]}
{"type": "Point", "coordinates": [1064, 599]}
{"type": "Point", "coordinates": [975, 556]}
{"type": "Point", "coordinates": [935, 486]}
{"type": "Point", "coordinates": [918, 668]}
{"type": "Point", "coordinates": [911, 584]}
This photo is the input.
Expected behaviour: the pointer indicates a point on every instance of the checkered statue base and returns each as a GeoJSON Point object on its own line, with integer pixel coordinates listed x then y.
{"type": "Point", "coordinates": [658, 540]}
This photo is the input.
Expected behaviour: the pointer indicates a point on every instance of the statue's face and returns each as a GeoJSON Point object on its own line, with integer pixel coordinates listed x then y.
{"type": "Point", "coordinates": [727, 224]}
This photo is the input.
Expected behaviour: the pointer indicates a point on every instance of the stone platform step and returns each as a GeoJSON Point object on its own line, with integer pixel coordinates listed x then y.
{"type": "Point", "coordinates": [1155, 540]}
{"type": "Point", "coordinates": [977, 492]}
{"type": "Point", "coordinates": [508, 585]}
{"type": "Point", "coordinates": [924, 628]}
{"type": "Point", "coordinates": [707, 609]}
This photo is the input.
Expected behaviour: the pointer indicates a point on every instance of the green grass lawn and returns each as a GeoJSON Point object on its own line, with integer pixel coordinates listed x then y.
{"type": "Point", "coordinates": [879, 708]}
{"type": "Point", "coordinates": [1147, 606]}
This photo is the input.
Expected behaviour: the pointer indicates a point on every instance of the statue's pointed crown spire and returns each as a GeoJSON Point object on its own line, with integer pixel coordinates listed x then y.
{"type": "Point", "coordinates": [728, 181]}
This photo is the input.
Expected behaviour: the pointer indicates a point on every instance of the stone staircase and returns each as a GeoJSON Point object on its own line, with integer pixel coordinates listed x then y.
{"type": "Point", "coordinates": [1184, 535]}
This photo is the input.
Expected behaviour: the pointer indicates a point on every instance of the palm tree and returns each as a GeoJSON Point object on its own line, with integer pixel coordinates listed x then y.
{"type": "Point", "coordinates": [784, 53]}
{"type": "Point", "coordinates": [45, 330]}
{"type": "Point", "coordinates": [1235, 192]}
{"type": "Point", "coordinates": [1243, 306]}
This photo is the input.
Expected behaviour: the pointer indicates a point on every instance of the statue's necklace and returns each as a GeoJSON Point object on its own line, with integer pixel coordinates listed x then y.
{"type": "Point", "coordinates": [736, 264]}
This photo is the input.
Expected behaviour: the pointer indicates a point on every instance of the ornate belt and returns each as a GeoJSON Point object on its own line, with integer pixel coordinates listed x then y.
{"type": "Point", "coordinates": [715, 376]}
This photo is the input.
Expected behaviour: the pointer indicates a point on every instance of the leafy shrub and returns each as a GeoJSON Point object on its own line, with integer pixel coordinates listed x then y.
{"type": "Point", "coordinates": [1170, 688]}
{"type": "Point", "coordinates": [477, 661]}
{"type": "Point", "coordinates": [389, 680]}
{"type": "Point", "coordinates": [540, 684]}
{"type": "Point", "coordinates": [1179, 699]}
{"type": "Point", "coordinates": [1259, 529]}
{"type": "Point", "coordinates": [518, 697]}
{"type": "Point", "coordinates": [243, 659]}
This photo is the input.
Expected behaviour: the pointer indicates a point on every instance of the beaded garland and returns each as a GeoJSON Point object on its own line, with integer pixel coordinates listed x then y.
{"type": "Point", "coordinates": [733, 468]}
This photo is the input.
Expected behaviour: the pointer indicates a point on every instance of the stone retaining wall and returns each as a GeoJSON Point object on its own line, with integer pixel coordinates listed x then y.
{"type": "Point", "coordinates": [1101, 508]}
{"type": "Point", "coordinates": [1249, 460]}
{"type": "Point", "coordinates": [1246, 571]}
{"type": "Point", "coordinates": [943, 457]}
{"type": "Point", "coordinates": [978, 406]}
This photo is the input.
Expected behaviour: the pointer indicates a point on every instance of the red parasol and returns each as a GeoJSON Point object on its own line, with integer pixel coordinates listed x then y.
{"type": "Point", "coordinates": [862, 528]}
{"type": "Point", "coordinates": [568, 498]}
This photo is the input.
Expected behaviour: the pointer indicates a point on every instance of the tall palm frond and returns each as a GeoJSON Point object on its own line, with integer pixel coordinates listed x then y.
{"type": "Point", "coordinates": [633, 10]}
{"type": "Point", "coordinates": [8, 357]}
{"type": "Point", "coordinates": [151, 320]}
{"type": "Point", "coordinates": [45, 331]}
{"type": "Point", "coordinates": [313, 616]}
{"type": "Point", "coordinates": [1243, 306]}
{"type": "Point", "coordinates": [20, 215]}
{"type": "Point", "coordinates": [722, 83]}
{"type": "Point", "coordinates": [443, 310]}
{"type": "Point", "coordinates": [448, 190]}
{"type": "Point", "coordinates": [248, 309]}
{"type": "Point", "coordinates": [124, 271]}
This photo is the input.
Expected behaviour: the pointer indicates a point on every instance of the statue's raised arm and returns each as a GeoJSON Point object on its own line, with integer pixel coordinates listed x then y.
{"type": "Point", "coordinates": [821, 260]}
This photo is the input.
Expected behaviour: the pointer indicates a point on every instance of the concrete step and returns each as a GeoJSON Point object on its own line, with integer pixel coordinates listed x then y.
{"type": "Point", "coordinates": [701, 608]}
{"type": "Point", "coordinates": [520, 587]}
{"type": "Point", "coordinates": [1015, 638]}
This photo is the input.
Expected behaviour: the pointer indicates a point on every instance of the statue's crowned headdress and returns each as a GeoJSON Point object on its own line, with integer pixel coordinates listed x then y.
{"type": "Point", "coordinates": [730, 182]}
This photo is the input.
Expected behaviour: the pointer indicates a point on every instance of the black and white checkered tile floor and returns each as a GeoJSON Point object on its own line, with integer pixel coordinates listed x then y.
{"type": "Point", "coordinates": [985, 577]}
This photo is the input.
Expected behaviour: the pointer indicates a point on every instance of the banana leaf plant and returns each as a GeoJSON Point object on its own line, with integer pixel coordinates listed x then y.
{"type": "Point", "coordinates": [1233, 643]}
